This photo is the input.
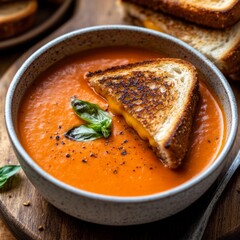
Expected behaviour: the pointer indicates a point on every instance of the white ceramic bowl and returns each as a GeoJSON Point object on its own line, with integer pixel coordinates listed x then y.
{"type": "Point", "coordinates": [99, 208]}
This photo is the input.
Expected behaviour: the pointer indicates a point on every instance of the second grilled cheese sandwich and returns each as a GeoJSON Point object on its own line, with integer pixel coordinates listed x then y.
{"type": "Point", "coordinates": [222, 47]}
{"type": "Point", "coordinates": [157, 98]}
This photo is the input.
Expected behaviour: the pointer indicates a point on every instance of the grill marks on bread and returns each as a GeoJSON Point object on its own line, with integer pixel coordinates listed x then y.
{"type": "Point", "coordinates": [220, 46]}
{"type": "Point", "coordinates": [214, 14]}
{"type": "Point", "coordinates": [157, 98]}
{"type": "Point", "coordinates": [140, 94]}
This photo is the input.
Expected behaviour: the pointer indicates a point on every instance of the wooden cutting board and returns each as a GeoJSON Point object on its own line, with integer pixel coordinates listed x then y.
{"type": "Point", "coordinates": [29, 216]}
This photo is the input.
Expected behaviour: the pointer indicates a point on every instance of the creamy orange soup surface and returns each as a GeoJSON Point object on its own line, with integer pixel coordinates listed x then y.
{"type": "Point", "coordinates": [123, 164]}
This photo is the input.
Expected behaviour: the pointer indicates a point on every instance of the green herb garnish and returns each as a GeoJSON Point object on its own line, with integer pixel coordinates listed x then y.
{"type": "Point", "coordinates": [99, 122]}
{"type": "Point", "coordinates": [6, 172]}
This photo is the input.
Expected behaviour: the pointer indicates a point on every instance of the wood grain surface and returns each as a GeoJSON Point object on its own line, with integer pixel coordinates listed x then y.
{"type": "Point", "coordinates": [40, 220]}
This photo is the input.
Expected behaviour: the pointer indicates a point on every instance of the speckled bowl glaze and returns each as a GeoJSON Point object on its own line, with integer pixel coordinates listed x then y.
{"type": "Point", "coordinates": [99, 208]}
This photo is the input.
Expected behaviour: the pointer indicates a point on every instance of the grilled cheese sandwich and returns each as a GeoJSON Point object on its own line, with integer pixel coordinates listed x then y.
{"type": "Point", "coordinates": [220, 46]}
{"type": "Point", "coordinates": [157, 98]}
{"type": "Point", "coordinates": [208, 13]}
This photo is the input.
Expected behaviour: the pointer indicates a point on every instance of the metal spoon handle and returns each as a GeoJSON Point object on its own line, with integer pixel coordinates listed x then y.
{"type": "Point", "coordinates": [197, 230]}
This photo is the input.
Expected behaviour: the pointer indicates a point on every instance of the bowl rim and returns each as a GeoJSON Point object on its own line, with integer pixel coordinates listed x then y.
{"type": "Point", "coordinates": [109, 198]}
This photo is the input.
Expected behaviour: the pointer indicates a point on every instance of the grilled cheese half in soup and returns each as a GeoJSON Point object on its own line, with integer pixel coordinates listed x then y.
{"type": "Point", "coordinates": [157, 98]}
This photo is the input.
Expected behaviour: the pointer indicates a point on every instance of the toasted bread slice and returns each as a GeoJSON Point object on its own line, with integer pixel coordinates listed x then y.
{"type": "Point", "coordinates": [215, 14]}
{"type": "Point", "coordinates": [157, 98]}
{"type": "Point", "coordinates": [222, 47]}
{"type": "Point", "coordinates": [16, 17]}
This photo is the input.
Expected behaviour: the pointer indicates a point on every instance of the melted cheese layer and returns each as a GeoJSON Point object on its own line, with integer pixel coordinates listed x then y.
{"type": "Point", "coordinates": [131, 121]}
{"type": "Point", "coordinates": [151, 25]}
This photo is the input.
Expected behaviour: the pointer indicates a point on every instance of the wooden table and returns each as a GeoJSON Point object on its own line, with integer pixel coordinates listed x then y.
{"type": "Point", "coordinates": [24, 222]}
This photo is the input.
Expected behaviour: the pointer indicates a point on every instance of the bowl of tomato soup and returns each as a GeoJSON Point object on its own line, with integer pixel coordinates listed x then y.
{"type": "Point", "coordinates": [118, 180]}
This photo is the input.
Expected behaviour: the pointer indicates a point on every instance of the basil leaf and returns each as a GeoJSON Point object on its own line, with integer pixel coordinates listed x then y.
{"type": "Point", "coordinates": [6, 172]}
{"type": "Point", "coordinates": [103, 127]}
{"type": "Point", "coordinates": [82, 134]}
{"type": "Point", "coordinates": [98, 120]}
{"type": "Point", "coordinates": [89, 112]}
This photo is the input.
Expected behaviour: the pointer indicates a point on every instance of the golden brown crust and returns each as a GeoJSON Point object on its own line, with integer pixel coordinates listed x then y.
{"type": "Point", "coordinates": [140, 91]}
{"type": "Point", "coordinates": [132, 65]}
{"type": "Point", "coordinates": [227, 60]}
{"type": "Point", "coordinates": [15, 24]}
{"type": "Point", "coordinates": [231, 61]}
{"type": "Point", "coordinates": [221, 18]}
{"type": "Point", "coordinates": [178, 143]}
{"type": "Point", "coordinates": [11, 29]}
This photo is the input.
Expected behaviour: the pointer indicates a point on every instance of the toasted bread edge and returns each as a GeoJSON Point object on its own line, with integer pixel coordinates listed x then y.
{"type": "Point", "coordinates": [213, 18]}
{"type": "Point", "coordinates": [228, 63]}
{"type": "Point", "coordinates": [175, 146]}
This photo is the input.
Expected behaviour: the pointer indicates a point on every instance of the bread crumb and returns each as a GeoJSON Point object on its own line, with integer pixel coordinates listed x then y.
{"type": "Point", "coordinates": [27, 204]}
{"type": "Point", "coordinates": [40, 228]}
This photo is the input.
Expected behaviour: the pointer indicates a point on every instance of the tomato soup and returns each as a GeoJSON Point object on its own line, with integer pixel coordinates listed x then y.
{"type": "Point", "coordinates": [123, 164]}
